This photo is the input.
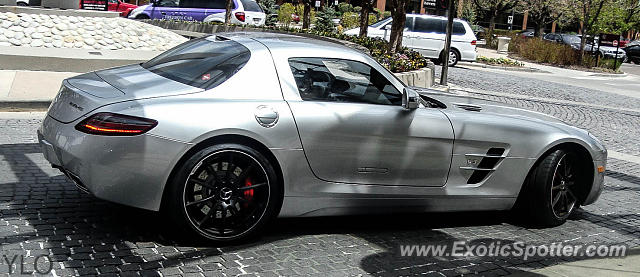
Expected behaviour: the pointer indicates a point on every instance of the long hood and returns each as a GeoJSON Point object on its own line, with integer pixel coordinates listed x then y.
{"type": "Point", "coordinates": [475, 105]}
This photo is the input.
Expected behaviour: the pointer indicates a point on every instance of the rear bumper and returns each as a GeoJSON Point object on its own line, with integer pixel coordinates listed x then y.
{"type": "Point", "coordinates": [131, 171]}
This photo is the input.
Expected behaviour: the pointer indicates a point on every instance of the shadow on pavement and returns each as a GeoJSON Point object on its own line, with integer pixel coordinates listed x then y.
{"type": "Point", "coordinates": [42, 213]}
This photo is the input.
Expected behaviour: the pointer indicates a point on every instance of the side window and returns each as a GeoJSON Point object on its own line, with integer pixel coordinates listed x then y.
{"type": "Point", "coordinates": [429, 25]}
{"type": "Point", "coordinates": [168, 3]}
{"type": "Point", "coordinates": [321, 79]}
{"type": "Point", "coordinates": [203, 4]}
{"type": "Point", "coordinates": [458, 29]}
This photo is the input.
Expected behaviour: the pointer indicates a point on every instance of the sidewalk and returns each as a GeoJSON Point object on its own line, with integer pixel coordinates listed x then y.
{"type": "Point", "coordinates": [627, 266]}
{"type": "Point", "coordinates": [30, 86]}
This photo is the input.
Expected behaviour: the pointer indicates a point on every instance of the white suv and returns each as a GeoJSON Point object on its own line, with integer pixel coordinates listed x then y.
{"type": "Point", "coordinates": [426, 34]}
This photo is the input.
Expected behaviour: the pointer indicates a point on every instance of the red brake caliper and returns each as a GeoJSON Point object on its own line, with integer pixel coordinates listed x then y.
{"type": "Point", "coordinates": [248, 194]}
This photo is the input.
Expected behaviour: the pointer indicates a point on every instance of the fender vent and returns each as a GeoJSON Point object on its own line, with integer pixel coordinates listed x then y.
{"type": "Point", "coordinates": [486, 165]}
{"type": "Point", "coordinates": [472, 108]}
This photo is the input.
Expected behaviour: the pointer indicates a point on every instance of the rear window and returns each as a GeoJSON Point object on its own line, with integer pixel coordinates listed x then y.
{"type": "Point", "coordinates": [203, 63]}
{"type": "Point", "coordinates": [251, 6]}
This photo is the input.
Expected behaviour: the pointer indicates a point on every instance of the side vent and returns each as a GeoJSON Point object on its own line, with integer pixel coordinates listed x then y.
{"type": "Point", "coordinates": [485, 166]}
{"type": "Point", "coordinates": [472, 108]}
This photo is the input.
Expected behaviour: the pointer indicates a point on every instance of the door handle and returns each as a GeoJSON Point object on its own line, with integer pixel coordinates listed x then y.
{"type": "Point", "coordinates": [163, 13]}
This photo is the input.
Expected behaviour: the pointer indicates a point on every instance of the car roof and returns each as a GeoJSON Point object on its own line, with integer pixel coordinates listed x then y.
{"type": "Point", "coordinates": [435, 16]}
{"type": "Point", "coordinates": [275, 41]}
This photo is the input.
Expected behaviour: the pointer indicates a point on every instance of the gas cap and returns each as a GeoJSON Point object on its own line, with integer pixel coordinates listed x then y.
{"type": "Point", "coordinates": [266, 116]}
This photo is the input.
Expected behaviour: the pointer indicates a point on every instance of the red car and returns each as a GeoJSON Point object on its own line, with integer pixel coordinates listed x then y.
{"type": "Point", "coordinates": [119, 6]}
{"type": "Point", "coordinates": [114, 6]}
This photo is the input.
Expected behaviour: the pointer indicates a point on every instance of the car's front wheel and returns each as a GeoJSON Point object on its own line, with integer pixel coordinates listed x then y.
{"type": "Point", "coordinates": [552, 189]}
{"type": "Point", "coordinates": [225, 192]}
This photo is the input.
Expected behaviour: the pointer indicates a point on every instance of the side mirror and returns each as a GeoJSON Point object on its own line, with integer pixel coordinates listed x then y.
{"type": "Point", "coordinates": [410, 99]}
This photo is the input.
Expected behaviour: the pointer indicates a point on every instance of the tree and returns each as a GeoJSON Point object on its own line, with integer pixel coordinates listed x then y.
{"type": "Point", "coordinates": [324, 19]}
{"type": "Point", "coordinates": [227, 15]}
{"type": "Point", "coordinates": [367, 6]}
{"type": "Point", "coordinates": [492, 8]}
{"type": "Point", "coordinates": [271, 10]}
{"type": "Point", "coordinates": [588, 12]}
{"type": "Point", "coordinates": [306, 14]}
{"type": "Point", "coordinates": [399, 16]}
{"type": "Point", "coordinates": [544, 12]}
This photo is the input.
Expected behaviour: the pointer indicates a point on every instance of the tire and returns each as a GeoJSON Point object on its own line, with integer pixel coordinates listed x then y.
{"type": "Point", "coordinates": [545, 190]}
{"type": "Point", "coordinates": [142, 16]}
{"type": "Point", "coordinates": [22, 4]}
{"type": "Point", "coordinates": [454, 57]}
{"type": "Point", "coordinates": [636, 61]}
{"type": "Point", "coordinates": [232, 212]}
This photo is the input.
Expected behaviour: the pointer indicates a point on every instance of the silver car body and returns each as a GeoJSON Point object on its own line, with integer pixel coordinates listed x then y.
{"type": "Point", "coordinates": [335, 158]}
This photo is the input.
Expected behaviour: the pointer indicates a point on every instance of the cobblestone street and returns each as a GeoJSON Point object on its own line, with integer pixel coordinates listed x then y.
{"type": "Point", "coordinates": [42, 213]}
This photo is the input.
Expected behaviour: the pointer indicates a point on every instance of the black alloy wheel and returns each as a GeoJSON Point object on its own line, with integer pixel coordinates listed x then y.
{"type": "Point", "coordinates": [225, 192]}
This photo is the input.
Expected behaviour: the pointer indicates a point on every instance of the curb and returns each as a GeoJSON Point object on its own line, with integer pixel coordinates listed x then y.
{"type": "Point", "coordinates": [17, 106]}
{"type": "Point", "coordinates": [505, 68]}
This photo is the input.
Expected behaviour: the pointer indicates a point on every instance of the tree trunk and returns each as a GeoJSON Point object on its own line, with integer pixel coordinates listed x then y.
{"type": "Point", "coordinates": [228, 8]}
{"type": "Point", "coordinates": [364, 18]}
{"type": "Point", "coordinates": [492, 22]}
{"type": "Point", "coordinates": [399, 17]}
{"type": "Point", "coordinates": [306, 20]}
{"type": "Point", "coordinates": [540, 31]}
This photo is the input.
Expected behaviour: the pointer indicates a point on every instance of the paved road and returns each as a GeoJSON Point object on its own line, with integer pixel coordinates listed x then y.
{"type": "Point", "coordinates": [631, 68]}
{"type": "Point", "coordinates": [42, 213]}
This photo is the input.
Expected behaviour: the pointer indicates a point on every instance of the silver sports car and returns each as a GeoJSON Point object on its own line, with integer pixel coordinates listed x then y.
{"type": "Point", "coordinates": [226, 132]}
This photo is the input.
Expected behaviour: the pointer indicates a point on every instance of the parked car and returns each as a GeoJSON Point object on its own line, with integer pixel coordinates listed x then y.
{"type": "Point", "coordinates": [633, 53]}
{"type": "Point", "coordinates": [426, 34]}
{"type": "Point", "coordinates": [229, 131]}
{"type": "Point", "coordinates": [527, 34]}
{"type": "Point", "coordinates": [591, 45]}
{"type": "Point", "coordinates": [119, 6]}
{"type": "Point", "coordinates": [244, 11]}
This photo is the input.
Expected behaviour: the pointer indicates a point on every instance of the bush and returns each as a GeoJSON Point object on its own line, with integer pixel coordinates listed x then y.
{"type": "Point", "coordinates": [270, 9]}
{"type": "Point", "coordinates": [542, 51]}
{"type": "Point", "coordinates": [351, 20]}
{"type": "Point", "coordinates": [285, 12]}
{"type": "Point", "coordinates": [499, 61]}
{"type": "Point", "coordinates": [344, 8]}
{"type": "Point", "coordinates": [324, 19]}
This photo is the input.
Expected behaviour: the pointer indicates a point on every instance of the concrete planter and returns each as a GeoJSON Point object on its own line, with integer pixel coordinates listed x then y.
{"type": "Point", "coordinates": [419, 78]}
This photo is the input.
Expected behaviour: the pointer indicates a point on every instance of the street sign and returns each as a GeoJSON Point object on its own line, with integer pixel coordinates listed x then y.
{"type": "Point", "coordinates": [510, 19]}
{"type": "Point", "coordinates": [317, 4]}
{"type": "Point", "coordinates": [609, 40]}
{"type": "Point", "coordinates": [435, 4]}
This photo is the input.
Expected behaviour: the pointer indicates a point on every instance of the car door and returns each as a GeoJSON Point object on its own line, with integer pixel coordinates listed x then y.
{"type": "Point", "coordinates": [354, 130]}
{"type": "Point", "coordinates": [165, 9]}
{"type": "Point", "coordinates": [428, 36]}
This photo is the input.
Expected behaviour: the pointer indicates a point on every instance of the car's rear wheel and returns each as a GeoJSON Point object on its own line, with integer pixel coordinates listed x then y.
{"type": "Point", "coordinates": [142, 16]}
{"type": "Point", "coordinates": [552, 189]}
{"type": "Point", "coordinates": [225, 192]}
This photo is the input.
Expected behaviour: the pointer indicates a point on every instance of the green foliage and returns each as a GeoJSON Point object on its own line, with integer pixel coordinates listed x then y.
{"type": "Point", "coordinates": [344, 8]}
{"type": "Point", "coordinates": [324, 21]}
{"type": "Point", "coordinates": [468, 13]}
{"type": "Point", "coordinates": [270, 8]}
{"type": "Point", "coordinates": [499, 61]}
{"type": "Point", "coordinates": [351, 20]}
{"type": "Point", "coordinates": [285, 12]}
{"type": "Point", "coordinates": [542, 51]}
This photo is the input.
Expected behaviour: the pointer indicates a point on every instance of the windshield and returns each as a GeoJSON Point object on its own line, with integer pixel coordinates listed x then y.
{"type": "Point", "coordinates": [203, 63]}
{"type": "Point", "coordinates": [251, 6]}
{"type": "Point", "coordinates": [380, 23]}
{"type": "Point", "coordinates": [571, 39]}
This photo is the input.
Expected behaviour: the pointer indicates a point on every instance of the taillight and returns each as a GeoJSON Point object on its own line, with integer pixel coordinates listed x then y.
{"type": "Point", "coordinates": [240, 16]}
{"type": "Point", "coordinates": [473, 42]}
{"type": "Point", "coordinates": [111, 124]}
